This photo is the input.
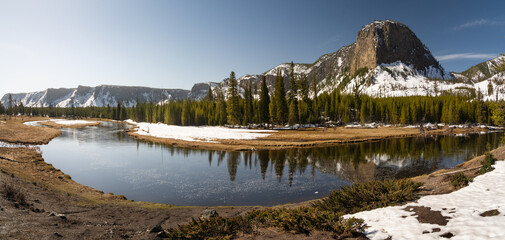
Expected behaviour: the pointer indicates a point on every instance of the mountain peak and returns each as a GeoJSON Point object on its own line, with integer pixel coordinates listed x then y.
{"type": "Point", "coordinates": [381, 23]}
{"type": "Point", "coordinates": [386, 42]}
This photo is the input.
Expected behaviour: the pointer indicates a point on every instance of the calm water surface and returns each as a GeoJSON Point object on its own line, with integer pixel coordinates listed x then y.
{"type": "Point", "coordinates": [106, 158]}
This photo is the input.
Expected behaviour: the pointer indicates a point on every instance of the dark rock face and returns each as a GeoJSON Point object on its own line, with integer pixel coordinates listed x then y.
{"type": "Point", "coordinates": [199, 90]}
{"type": "Point", "coordinates": [383, 42]}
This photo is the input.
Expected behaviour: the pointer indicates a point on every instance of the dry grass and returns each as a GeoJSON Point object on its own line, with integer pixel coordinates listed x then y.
{"type": "Point", "coordinates": [12, 193]}
{"type": "Point", "coordinates": [14, 131]}
{"type": "Point", "coordinates": [56, 125]}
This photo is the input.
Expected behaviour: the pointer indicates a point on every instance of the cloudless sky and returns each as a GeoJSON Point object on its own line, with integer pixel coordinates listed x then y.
{"type": "Point", "coordinates": [174, 44]}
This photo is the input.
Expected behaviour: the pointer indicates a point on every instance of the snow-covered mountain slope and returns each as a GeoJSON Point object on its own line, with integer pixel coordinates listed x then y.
{"type": "Point", "coordinates": [481, 71]}
{"type": "Point", "coordinates": [396, 61]}
{"type": "Point", "coordinates": [387, 59]}
{"type": "Point", "coordinates": [100, 96]}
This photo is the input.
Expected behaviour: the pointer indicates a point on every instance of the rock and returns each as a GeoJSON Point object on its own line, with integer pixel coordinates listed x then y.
{"type": "Point", "coordinates": [387, 42]}
{"type": "Point", "coordinates": [208, 213]}
{"type": "Point", "coordinates": [156, 229]}
{"type": "Point", "coordinates": [162, 234]}
{"type": "Point", "coordinates": [447, 235]}
{"type": "Point", "coordinates": [54, 214]}
{"type": "Point", "coordinates": [57, 235]}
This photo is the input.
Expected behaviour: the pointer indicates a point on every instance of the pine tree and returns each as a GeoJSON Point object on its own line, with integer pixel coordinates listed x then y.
{"type": "Point", "coordinates": [304, 87]}
{"type": "Point", "coordinates": [293, 95]}
{"type": "Point", "coordinates": [10, 105]}
{"type": "Point", "coordinates": [315, 115]}
{"type": "Point", "coordinates": [279, 106]}
{"type": "Point", "coordinates": [221, 115]}
{"type": "Point", "coordinates": [209, 97]}
{"type": "Point", "coordinates": [248, 104]}
{"type": "Point", "coordinates": [489, 88]}
{"type": "Point", "coordinates": [263, 111]}
{"type": "Point", "coordinates": [186, 113]}
{"type": "Point", "coordinates": [233, 107]}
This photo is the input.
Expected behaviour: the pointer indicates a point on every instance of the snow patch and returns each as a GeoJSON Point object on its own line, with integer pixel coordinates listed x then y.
{"type": "Point", "coordinates": [464, 207]}
{"type": "Point", "coordinates": [190, 133]}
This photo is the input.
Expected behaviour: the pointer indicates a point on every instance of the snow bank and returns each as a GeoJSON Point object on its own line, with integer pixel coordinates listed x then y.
{"type": "Point", "coordinates": [207, 134]}
{"type": "Point", "coordinates": [72, 122]}
{"type": "Point", "coordinates": [464, 207]}
{"type": "Point", "coordinates": [61, 122]}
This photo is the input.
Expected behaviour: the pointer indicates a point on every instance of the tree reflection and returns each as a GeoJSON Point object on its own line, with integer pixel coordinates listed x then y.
{"type": "Point", "coordinates": [361, 162]}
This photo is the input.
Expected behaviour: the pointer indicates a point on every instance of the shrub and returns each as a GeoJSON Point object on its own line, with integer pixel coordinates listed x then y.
{"type": "Point", "coordinates": [324, 215]}
{"type": "Point", "coordinates": [366, 196]}
{"type": "Point", "coordinates": [305, 219]}
{"type": "Point", "coordinates": [213, 228]}
{"type": "Point", "coordinates": [460, 180]}
{"type": "Point", "coordinates": [487, 165]}
{"type": "Point", "coordinates": [13, 194]}
{"type": "Point", "coordinates": [299, 220]}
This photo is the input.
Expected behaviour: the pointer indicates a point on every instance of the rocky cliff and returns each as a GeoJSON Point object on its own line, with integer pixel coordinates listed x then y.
{"type": "Point", "coordinates": [386, 42]}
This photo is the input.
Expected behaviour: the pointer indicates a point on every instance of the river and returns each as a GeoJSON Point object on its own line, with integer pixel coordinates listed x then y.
{"type": "Point", "coordinates": [107, 159]}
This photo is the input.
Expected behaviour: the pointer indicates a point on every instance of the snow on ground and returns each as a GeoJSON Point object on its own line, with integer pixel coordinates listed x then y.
{"type": "Point", "coordinates": [486, 192]}
{"type": "Point", "coordinates": [72, 122]}
{"type": "Point", "coordinates": [61, 122]}
{"type": "Point", "coordinates": [204, 133]}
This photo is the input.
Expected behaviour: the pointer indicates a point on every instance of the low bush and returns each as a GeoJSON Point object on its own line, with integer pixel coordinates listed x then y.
{"type": "Point", "coordinates": [213, 228]}
{"type": "Point", "coordinates": [460, 180]}
{"type": "Point", "coordinates": [305, 219]}
{"type": "Point", "coordinates": [13, 194]}
{"type": "Point", "coordinates": [487, 165]}
{"type": "Point", "coordinates": [366, 196]}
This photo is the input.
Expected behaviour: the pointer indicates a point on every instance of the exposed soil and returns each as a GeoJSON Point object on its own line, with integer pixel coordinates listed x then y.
{"type": "Point", "coordinates": [306, 138]}
{"type": "Point", "coordinates": [490, 213]}
{"type": "Point", "coordinates": [426, 215]}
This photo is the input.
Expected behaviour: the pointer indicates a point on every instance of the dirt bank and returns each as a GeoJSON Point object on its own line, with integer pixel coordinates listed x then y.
{"type": "Point", "coordinates": [14, 131]}
{"type": "Point", "coordinates": [439, 182]}
{"type": "Point", "coordinates": [319, 137]}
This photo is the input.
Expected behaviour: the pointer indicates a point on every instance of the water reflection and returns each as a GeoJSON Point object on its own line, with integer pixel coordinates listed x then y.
{"type": "Point", "coordinates": [106, 158]}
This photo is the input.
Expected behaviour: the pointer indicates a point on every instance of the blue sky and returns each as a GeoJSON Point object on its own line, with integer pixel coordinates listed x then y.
{"type": "Point", "coordinates": [174, 44]}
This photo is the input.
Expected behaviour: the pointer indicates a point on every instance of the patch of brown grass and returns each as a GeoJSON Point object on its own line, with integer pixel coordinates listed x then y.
{"type": "Point", "coordinates": [14, 131]}
{"type": "Point", "coordinates": [11, 193]}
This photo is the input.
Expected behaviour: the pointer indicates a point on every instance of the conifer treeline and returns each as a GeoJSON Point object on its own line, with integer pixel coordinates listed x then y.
{"type": "Point", "coordinates": [300, 105]}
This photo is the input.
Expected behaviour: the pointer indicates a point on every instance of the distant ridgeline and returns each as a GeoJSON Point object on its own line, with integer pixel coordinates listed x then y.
{"type": "Point", "coordinates": [388, 75]}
